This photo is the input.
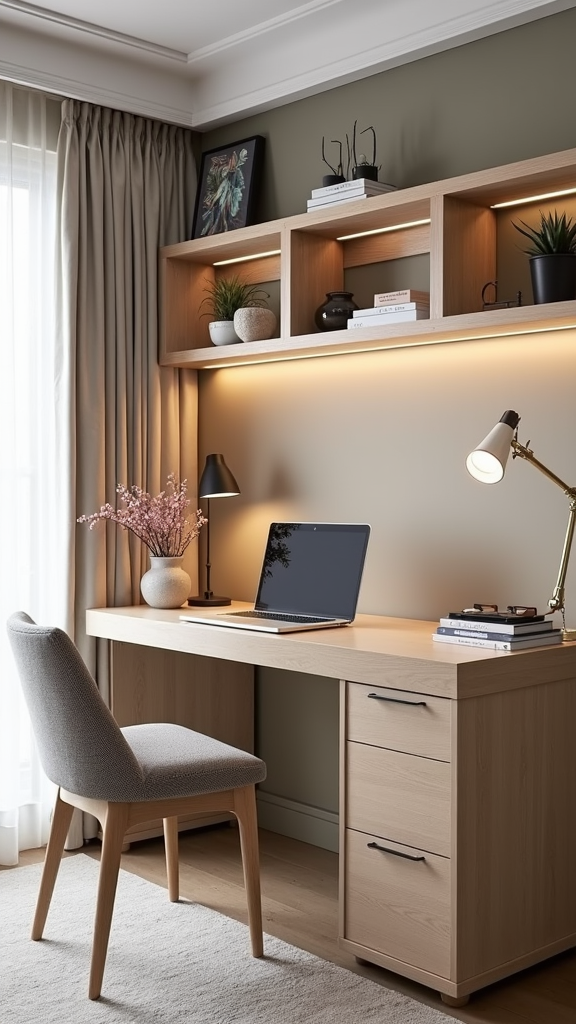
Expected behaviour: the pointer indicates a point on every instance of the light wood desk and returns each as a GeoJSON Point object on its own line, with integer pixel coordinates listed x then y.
{"type": "Point", "coordinates": [457, 778]}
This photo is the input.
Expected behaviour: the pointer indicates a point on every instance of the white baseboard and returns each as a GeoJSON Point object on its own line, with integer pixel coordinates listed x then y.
{"type": "Point", "coordinates": [299, 821]}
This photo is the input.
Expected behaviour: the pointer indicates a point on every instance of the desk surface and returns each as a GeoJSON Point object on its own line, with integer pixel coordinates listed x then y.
{"type": "Point", "coordinates": [380, 651]}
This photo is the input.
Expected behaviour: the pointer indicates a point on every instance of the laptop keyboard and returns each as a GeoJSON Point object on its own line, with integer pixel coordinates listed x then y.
{"type": "Point", "coordinates": [278, 615]}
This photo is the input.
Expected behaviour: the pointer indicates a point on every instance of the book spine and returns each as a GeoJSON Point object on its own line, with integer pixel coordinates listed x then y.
{"type": "Point", "coordinates": [346, 186]}
{"type": "Point", "coordinates": [488, 634]}
{"type": "Point", "coordinates": [512, 644]}
{"type": "Point", "coordinates": [388, 318]}
{"type": "Point", "coordinates": [469, 641]}
{"type": "Point", "coordinates": [315, 205]}
{"type": "Point", "coordinates": [339, 196]}
{"type": "Point", "coordinates": [401, 307]}
{"type": "Point", "coordinates": [498, 627]}
{"type": "Point", "coordinates": [404, 295]}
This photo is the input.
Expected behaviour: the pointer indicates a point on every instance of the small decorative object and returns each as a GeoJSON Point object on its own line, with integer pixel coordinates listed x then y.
{"type": "Point", "coordinates": [552, 257]}
{"type": "Point", "coordinates": [224, 297]}
{"type": "Point", "coordinates": [496, 303]}
{"type": "Point", "coordinates": [228, 186]}
{"type": "Point", "coordinates": [337, 175]}
{"type": "Point", "coordinates": [334, 314]}
{"type": "Point", "coordinates": [254, 323]}
{"type": "Point", "coordinates": [162, 524]}
{"type": "Point", "coordinates": [361, 166]}
{"type": "Point", "coordinates": [362, 169]}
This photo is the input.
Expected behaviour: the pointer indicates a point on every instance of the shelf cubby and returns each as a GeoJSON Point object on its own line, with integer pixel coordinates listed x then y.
{"type": "Point", "coordinates": [452, 221]}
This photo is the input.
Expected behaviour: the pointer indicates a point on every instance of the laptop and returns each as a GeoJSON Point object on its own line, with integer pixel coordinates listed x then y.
{"type": "Point", "coordinates": [310, 579]}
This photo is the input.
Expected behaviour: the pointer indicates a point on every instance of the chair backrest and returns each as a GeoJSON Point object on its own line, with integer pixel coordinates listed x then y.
{"type": "Point", "coordinates": [81, 746]}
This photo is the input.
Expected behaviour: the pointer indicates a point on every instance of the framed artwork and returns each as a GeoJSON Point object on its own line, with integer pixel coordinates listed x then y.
{"type": "Point", "coordinates": [228, 187]}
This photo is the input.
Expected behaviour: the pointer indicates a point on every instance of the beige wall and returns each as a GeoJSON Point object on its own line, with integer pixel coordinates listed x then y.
{"type": "Point", "coordinates": [382, 437]}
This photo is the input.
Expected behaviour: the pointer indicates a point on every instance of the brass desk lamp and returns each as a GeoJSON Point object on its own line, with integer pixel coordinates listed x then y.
{"type": "Point", "coordinates": [487, 464]}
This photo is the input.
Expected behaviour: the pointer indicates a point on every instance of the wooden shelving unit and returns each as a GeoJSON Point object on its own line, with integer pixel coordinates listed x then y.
{"type": "Point", "coordinates": [452, 221]}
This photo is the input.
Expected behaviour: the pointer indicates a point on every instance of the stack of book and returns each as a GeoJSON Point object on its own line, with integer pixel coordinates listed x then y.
{"type": "Point", "coordinates": [496, 634]}
{"type": "Point", "coordinates": [346, 192]}
{"type": "Point", "coordinates": [393, 307]}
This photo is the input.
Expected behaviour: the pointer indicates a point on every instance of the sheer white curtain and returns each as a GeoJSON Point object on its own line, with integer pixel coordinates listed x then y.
{"type": "Point", "coordinates": [31, 526]}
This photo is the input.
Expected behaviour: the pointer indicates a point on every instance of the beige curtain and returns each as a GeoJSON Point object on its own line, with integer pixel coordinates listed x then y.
{"type": "Point", "coordinates": [127, 187]}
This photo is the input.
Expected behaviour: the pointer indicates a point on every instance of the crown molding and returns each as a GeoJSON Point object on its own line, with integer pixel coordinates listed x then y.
{"type": "Point", "coordinates": [411, 30]}
{"type": "Point", "coordinates": [320, 45]}
{"type": "Point", "coordinates": [77, 25]}
{"type": "Point", "coordinates": [68, 88]}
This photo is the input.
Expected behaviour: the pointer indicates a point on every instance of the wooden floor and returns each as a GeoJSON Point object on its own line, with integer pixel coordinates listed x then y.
{"type": "Point", "coordinates": [299, 894]}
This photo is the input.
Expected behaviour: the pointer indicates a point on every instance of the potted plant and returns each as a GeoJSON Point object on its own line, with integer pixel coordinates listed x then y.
{"type": "Point", "coordinates": [164, 525]}
{"type": "Point", "coordinates": [224, 297]}
{"type": "Point", "coordinates": [552, 256]}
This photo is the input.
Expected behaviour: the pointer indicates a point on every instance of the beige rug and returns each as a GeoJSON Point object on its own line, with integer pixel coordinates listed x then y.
{"type": "Point", "coordinates": [168, 963]}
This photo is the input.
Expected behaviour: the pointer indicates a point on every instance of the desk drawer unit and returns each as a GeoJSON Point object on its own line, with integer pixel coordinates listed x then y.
{"type": "Point", "coordinates": [398, 796]}
{"type": "Point", "coordinates": [395, 857]}
{"type": "Point", "coordinates": [398, 901]}
{"type": "Point", "coordinates": [415, 723]}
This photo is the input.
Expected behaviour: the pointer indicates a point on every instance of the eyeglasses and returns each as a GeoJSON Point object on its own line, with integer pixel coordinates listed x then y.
{"type": "Point", "coordinates": [512, 609]}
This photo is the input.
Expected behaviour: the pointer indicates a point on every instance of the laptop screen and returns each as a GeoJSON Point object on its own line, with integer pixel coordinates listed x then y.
{"type": "Point", "coordinates": [313, 569]}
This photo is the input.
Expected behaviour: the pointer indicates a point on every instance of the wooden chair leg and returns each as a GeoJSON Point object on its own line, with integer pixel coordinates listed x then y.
{"type": "Point", "coordinates": [114, 829]}
{"type": "Point", "coordinates": [245, 811]}
{"type": "Point", "coordinates": [61, 818]}
{"type": "Point", "coordinates": [171, 845]}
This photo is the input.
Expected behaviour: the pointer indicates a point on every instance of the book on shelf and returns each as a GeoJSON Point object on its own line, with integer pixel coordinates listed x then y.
{"type": "Point", "coordinates": [553, 636]}
{"type": "Point", "coordinates": [388, 318]}
{"type": "Point", "coordinates": [400, 307]}
{"type": "Point", "coordinates": [404, 295]}
{"type": "Point", "coordinates": [484, 634]}
{"type": "Point", "coordinates": [347, 197]}
{"type": "Point", "coordinates": [363, 184]}
{"type": "Point", "coordinates": [538, 625]}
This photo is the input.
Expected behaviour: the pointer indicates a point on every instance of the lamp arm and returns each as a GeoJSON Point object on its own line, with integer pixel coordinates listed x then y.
{"type": "Point", "coordinates": [556, 602]}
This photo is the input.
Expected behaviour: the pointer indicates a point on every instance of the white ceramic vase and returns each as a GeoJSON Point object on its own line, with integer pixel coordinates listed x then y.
{"type": "Point", "coordinates": [166, 584]}
{"type": "Point", "coordinates": [254, 323]}
{"type": "Point", "coordinates": [222, 332]}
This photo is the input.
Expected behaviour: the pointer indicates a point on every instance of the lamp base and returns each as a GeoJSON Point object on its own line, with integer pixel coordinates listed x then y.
{"type": "Point", "coordinates": [209, 599]}
{"type": "Point", "coordinates": [568, 635]}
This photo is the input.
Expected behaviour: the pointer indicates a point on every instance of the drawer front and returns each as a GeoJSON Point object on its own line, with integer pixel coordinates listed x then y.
{"type": "Point", "coordinates": [401, 720]}
{"type": "Point", "coordinates": [398, 907]}
{"type": "Point", "coordinates": [398, 796]}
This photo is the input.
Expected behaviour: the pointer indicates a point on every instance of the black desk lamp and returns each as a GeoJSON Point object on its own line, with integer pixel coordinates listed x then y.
{"type": "Point", "coordinates": [216, 482]}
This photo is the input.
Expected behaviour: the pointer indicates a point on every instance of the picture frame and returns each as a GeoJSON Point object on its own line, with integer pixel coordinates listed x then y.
{"type": "Point", "coordinates": [228, 186]}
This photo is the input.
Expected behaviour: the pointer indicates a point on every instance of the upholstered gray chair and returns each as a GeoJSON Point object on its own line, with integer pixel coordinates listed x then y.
{"type": "Point", "coordinates": [124, 776]}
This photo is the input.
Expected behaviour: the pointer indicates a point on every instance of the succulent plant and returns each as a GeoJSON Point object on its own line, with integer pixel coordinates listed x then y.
{"type": "Point", "coordinates": [556, 234]}
{"type": "Point", "coordinates": [226, 295]}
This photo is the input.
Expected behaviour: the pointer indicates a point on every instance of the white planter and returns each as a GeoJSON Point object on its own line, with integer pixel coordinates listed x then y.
{"type": "Point", "coordinates": [166, 584]}
{"type": "Point", "coordinates": [222, 332]}
{"type": "Point", "coordinates": [254, 323]}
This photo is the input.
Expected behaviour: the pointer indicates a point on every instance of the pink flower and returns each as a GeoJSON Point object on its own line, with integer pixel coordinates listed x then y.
{"type": "Point", "coordinates": [162, 522]}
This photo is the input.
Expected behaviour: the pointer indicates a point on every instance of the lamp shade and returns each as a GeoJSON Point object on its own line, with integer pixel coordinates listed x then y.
{"type": "Point", "coordinates": [488, 460]}
{"type": "Point", "coordinates": [217, 481]}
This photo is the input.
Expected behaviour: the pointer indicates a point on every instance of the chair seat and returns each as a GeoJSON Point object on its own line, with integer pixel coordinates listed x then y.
{"type": "Point", "coordinates": [178, 762]}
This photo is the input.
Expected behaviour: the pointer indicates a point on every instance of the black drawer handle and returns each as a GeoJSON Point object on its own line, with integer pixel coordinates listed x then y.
{"type": "Point", "coordinates": [398, 700]}
{"type": "Point", "coordinates": [396, 853]}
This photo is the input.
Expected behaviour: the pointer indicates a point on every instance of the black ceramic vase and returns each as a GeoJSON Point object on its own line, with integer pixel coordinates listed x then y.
{"type": "Point", "coordinates": [553, 277]}
{"type": "Point", "coordinates": [334, 314]}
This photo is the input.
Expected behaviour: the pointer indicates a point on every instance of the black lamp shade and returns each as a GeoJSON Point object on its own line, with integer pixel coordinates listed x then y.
{"type": "Point", "coordinates": [217, 481]}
